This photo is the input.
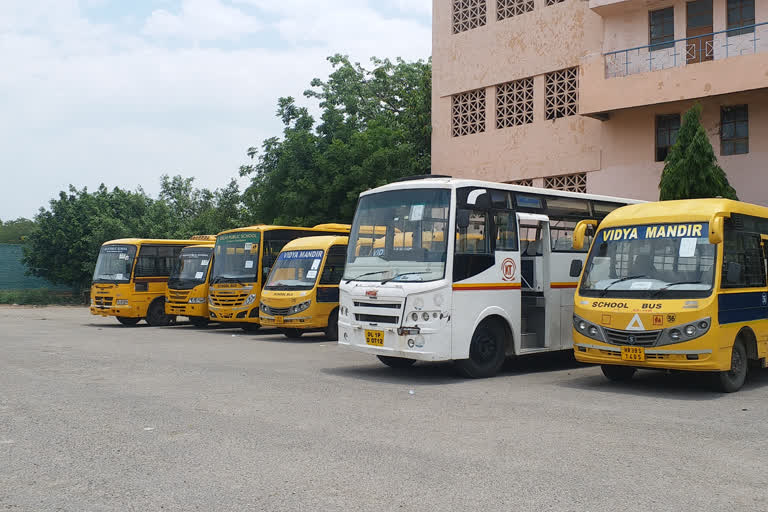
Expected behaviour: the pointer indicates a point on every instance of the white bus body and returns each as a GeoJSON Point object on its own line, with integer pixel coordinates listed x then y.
{"type": "Point", "coordinates": [445, 269]}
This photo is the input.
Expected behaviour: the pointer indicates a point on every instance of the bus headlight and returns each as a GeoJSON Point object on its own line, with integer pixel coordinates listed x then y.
{"type": "Point", "coordinates": [675, 334]}
{"type": "Point", "coordinates": [264, 308]}
{"type": "Point", "coordinates": [197, 300]}
{"type": "Point", "coordinates": [588, 329]}
{"type": "Point", "coordinates": [690, 330]}
{"type": "Point", "coordinates": [685, 332]}
{"type": "Point", "coordinates": [251, 298]}
{"type": "Point", "coordinates": [298, 308]}
{"type": "Point", "coordinates": [415, 317]}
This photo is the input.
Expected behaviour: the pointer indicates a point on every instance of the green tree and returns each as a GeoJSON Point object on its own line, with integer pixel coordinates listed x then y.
{"type": "Point", "coordinates": [15, 231]}
{"type": "Point", "coordinates": [691, 169]}
{"type": "Point", "coordinates": [374, 128]}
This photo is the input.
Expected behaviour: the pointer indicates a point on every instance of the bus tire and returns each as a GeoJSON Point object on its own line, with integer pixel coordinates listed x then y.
{"type": "Point", "coordinates": [332, 330]}
{"type": "Point", "coordinates": [249, 327]}
{"type": "Point", "coordinates": [618, 373]}
{"type": "Point", "coordinates": [733, 379]}
{"type": "Point", "coordinates": [396, 362]}
{"type": "Point", "coordinates": [293, 334]}
{"type": "Point", "coordinates": [129, 322]}
{"type": "Point", "coordinates": [487, 352]}
{"type": "Point", "coordinates": [199, 321]}
{"type": "Point", "coordinates": [156, 316]}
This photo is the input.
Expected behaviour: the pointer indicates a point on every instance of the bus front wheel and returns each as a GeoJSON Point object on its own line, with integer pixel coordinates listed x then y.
{"type": "Point", "coordinates": [130, 322]}
{"type": "Point", "coordinates": [396, 362]}
{"type": "Point", "coordinates": [487, 352]}
{"type": "Point", "coordinates": [332, 330]}
{"type": "Point", "coordinates": [732, 380]}
{"type": "Point", "coordinates": [156, 316]}
{"type": "Point", "coordinates": [618, 373]}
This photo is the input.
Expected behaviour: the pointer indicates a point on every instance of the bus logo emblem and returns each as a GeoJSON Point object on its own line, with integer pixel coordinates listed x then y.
{"type": "Point", "coordinates": [631, 340]}
{"type": "Point", "coordinates": [371, 294]}
{"type": "Point", "coordinates": [508, 269]}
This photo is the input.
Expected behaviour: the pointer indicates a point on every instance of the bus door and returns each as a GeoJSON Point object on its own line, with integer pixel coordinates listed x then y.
{"type": "Point", "coordinates": [537, 302]}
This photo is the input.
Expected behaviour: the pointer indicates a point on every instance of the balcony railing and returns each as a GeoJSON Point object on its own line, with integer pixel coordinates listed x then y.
{"type": "Point", "coordinates": [691, 50]}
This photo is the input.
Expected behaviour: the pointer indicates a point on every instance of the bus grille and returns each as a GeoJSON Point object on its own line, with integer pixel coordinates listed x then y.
{"type": "Point", "coordinates": [227, 299]}
{"type": "Point", "coordinates": [376, 305]}
{"type": "Point", "coordinates": [101, 301]}
{"type": "Point", "coordinates": [276, 311]}
{"type": "Point", "coordinates": [376, 319]}
{"type": "Point", "coordinates": [638, 338]}
{"type": "Point", "coordinates": [178, 296]}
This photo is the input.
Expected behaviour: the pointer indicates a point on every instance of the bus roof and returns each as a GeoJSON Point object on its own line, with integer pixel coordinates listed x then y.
{"type": "Point", "coordinates": [459, 183]}
{"type": "Point", "coordinates": [155, 241]}
{"type": "Point", "coordinates": [685, 210]}
{"type": "Point", "coordinates": [341, 228]}
{"type": "Point", "coordinates": [315, 242]}
{"type": "Point", "coordinates": [202, 246]}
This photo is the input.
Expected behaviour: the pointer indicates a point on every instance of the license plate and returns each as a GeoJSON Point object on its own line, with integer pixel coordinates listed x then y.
{"type": "Point", "coordinates": [375, 338]}
{"type": "Point", "coordinates": [632, 354]}
{"type": "Point", "coordinates": [278, 319]}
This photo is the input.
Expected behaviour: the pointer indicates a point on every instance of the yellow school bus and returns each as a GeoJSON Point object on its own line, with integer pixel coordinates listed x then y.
{"type": "Point", "coordinates": [241, 263]}
{"type": "Point", "coordinates": [187, 293]}
{"type": "Point", "coordinates": [678, 285]}
{"type": "Point", "coordinates": [131, 278]}
{"type": "Point", "coordinates": [302, 292]}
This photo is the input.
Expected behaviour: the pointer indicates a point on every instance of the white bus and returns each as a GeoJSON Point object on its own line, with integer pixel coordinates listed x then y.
{"type": "Point", "coordinates": [443, 269]}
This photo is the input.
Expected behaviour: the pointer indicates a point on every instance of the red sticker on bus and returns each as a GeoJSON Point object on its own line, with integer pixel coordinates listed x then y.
{"type": "Point", "coordinates": [508, 269]}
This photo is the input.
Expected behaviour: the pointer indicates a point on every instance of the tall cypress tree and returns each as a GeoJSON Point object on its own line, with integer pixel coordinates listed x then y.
{"type": "Point", "coordinates": [691, 169]}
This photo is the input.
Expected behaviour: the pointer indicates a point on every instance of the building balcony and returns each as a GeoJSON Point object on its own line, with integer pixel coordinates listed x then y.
{"type": "Point", "coordinates": [718, 63]}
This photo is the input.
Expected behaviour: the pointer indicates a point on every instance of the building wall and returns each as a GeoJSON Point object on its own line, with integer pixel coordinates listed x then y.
{"type": "Point", "coordinates": [550, 38]}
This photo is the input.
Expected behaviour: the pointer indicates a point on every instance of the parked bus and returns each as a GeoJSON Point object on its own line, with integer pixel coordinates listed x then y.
{"type": "Point", "coordinates": [481, 272]}
{"type": "Point", "coordinates": [302, 292]}
{"type": "Point", "coordinates": [242, 260]}
{"type": "Point", "coordinates": [677, 285]}
{"type": "Point", "coordinates": [131, 278]}
{"type": "Point", "coordinates": [187, 293]}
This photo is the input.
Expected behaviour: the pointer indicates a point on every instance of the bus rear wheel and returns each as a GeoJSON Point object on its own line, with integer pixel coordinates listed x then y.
{"type": "Point", "coordinates": [487, 352]}
{"type": "Point", "coordinates": [156, 316]}
{"type": "Point", "coordinates": [332, 330]}
{"type": "Point", "coordinates": [733, 379]}
{"type": "Point", "coordinates": [396, 362]}
{"type": "Point", "coordinates": [618, 373]}
{"type": "Point", "coordinates": [293, 334]}
{"type": "Point", "coordinates": [130, 322]}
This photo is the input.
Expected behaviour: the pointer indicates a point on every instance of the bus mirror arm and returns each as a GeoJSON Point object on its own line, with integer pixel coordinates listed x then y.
{"type": "Point", "coordinates": [580, 232]}
{"type": "Point", "coordinates": [716, 224]}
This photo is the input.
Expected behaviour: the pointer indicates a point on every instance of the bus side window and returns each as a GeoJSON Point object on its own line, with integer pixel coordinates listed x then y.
{"type": "Point", "coordinates": [506, 231]}
{"type": "Point", "coordinates": [474, 238]}
{"type": "Point", "coordinates": [743, 250]}
{"type": "Point", "coordinates": [145, 266]}
{"type": "Point", "coordinates": [334, 265]}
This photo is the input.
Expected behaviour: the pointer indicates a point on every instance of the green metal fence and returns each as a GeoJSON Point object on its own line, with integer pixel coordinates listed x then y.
{"type": "Point", "coordinates": [13, 272]}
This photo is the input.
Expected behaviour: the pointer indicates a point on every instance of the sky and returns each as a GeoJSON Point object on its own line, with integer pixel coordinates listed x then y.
{"type": "Point", "coordinates": [122, 91]}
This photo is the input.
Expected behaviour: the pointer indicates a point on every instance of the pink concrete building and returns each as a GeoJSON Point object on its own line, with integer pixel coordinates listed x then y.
{"type": "Point", "coordinates": [588, 95]}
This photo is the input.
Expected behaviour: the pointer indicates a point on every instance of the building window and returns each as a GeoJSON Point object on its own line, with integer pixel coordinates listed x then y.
{"type": "Point", "coordinates": [522, 183]}
{"type": "Point", "coordinates": [514, 103]}
{"type": "Point", "coordinates": [562, 93]}
{"type": "Point", "coordinates": [568, 182]}
{"type": "Point", "coordinates": [734, 130]}
{"type": "Point", "coordinates": [741, 13]}
{"type": "Point", "coordinates": [468, 14]}
{"type": "Point", "coordinates": [509, 8]}
{"type": "Point", "coordinates": [553, 2]}
{"type": "Point", "coordinates": [666, 134]}
{"type": "Point", "coordinates": [662, 28]}
{"type": "Point", "coordinates": [468, 110]}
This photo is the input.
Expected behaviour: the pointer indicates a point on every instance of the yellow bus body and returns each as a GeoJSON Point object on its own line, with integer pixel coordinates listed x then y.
{"type": "Point", "coordinates": [238, 302]}
{"type": "Point", "coordinates": [275, 304]}
{"type": "Point", "coordinates": [192, 303]}
{"type": "Point", "coordinates": [728, 314]}
{"type": "Point", "coordinates": [130, 301]}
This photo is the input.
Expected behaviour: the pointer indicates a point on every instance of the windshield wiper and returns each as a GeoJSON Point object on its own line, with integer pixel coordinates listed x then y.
{"type": "Point", "coordinates": [403, 274]}
{"type": "Point", "coordinates": [628, 278]}
{"type": "Point", "coordinates": [366, 274]}
{"type": "Point", "coordinates": [222, 279]}
{"type": "Point", "coordinates": [665, 288]}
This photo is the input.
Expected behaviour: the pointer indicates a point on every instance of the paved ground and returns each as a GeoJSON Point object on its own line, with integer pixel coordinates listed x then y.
{"type": "Point", "coordinates": [95, 416]}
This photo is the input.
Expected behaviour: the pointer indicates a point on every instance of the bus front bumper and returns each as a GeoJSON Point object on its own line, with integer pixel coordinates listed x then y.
{"type": "Point", "coordinates": [433, 345]}
{"type": "Point", "coordinates": [235, 315]}
{"type": "Point", "coordinates": [669, 357]}
{"type": "Point", "coordinates": [124, 311]}
{"type": "Point", "coordinates": [185, 309]}
{"type": "Point", "coordinates": [292, 322]}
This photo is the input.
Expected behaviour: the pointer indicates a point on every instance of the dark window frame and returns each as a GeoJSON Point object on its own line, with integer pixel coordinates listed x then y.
{"type": "Point", "coordinates": [330, 276]}
{"type": "Point", "coordinates": [740, 13]}
{"type": "Point", "coordinates": [732, 123]}
{"type": "Point", "coordinates": [751, 258]}
{"type": "Point", "coordinates": [665, 123]}
{"type": "Point", "coordinates": [660, 20]}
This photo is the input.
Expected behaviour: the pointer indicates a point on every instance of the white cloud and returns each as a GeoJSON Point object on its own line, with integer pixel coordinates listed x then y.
{"type": "Point", "coordinates": [84, 102]}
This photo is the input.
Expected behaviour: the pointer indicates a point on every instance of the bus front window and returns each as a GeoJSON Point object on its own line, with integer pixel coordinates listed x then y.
{"type": "Point", "coordinates": [295, 270]}
{"type": "Point", "coordinates": [400, 235]}
{"type": "Point", "coordinates": [651, 261]}
{"type": "Point", "coordinates": [114, 264]}
{"type": "Point", "coordinates": [190, 269]}
{"type": "Point", "coordinates": [236, 258]}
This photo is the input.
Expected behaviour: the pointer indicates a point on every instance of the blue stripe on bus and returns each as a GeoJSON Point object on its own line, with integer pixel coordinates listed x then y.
{"type": "Point", "coordinates": [742, 307]}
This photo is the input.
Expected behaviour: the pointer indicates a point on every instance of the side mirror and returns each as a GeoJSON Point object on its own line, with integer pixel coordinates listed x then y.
{"type": "Point", "coordinates": [462, 219]}
{"type": "Point", "coordinates": [580, 231]}
{"type": "Point", "coordinates": [576, 267]}
{"type": "Point", "coordinates": [716, 227]}
{"type": "Point", "coordinates": [733, 273]}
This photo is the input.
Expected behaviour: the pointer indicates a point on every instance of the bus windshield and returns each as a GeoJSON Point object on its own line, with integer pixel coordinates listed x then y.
{"type": "Point", "coordinates": [400, 236]}
{"type": "Point", "coordinates": [651, 261]}
{"type": "Point", "coordinates": [236, 258]}
{"type": "Point", "coordinates": [191, 268]}
{"type": "Point", "coordinates": [295, 270]}
{"type": "Point", "coordinates": [114, 264]}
